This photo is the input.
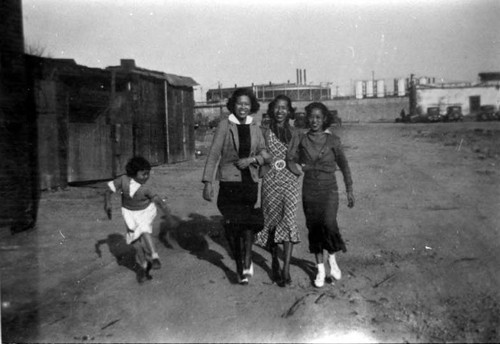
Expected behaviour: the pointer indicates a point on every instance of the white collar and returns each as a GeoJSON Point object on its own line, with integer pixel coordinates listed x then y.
{"type": "Point", "coordinates": [326, 131]}
{"type": "Point", "coordinates": [232, 118]}
{"type": "Point", "coordinates": [134, 186]}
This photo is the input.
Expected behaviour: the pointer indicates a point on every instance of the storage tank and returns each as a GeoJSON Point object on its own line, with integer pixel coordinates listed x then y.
{"type": "Point", "coordinates": [401, 87]}
{"type": "Point", "coordinates": [380, 89]}
{"type": "Point", "coordinates": [369, 88]}
{"type": "Point", "coordinates": [359, 90]}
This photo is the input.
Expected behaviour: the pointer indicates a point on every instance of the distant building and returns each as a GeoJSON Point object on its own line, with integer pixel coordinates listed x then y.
{"type": "Point", "coordinates": [469, 96]}
{"type": "Point", "coordinates": [267, 92]}
{"type": "Point", "coordinates": [297, 91]}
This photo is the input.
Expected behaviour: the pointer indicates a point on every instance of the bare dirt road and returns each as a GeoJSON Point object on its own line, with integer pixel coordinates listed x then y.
{"type": "Point", "coordinates": [422, 262]}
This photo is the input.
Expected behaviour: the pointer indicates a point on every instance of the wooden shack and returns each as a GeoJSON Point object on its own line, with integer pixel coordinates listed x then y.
{"type": "Point", "coordinates": [162, 108]}
{"type": "Point", "coordinates": [91, 120]}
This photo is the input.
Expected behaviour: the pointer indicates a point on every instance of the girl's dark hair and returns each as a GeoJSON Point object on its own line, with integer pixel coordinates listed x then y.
{"type": "Point", "coordinates": [243, 92]}
{"type": "Point", "coordinates": [136, 164]}
{"type": "Point", "coordinates": [284, 135]}
{"type": "Point", "coordinates": [324, 110]}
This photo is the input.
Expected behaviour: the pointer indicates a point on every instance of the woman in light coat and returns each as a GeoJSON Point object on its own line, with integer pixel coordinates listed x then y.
{"type": "Point", "coordinates": [238, 150]}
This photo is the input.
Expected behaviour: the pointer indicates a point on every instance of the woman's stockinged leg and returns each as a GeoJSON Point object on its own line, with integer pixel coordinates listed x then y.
{"type": "Point", "coordinates": [320, 277]}
{"type": "Point", "coordinates": [288, 249]}
{"type": "Point", "coordinates": [247, 248]}
{"type": "Point", "coordinates": [275, 264]}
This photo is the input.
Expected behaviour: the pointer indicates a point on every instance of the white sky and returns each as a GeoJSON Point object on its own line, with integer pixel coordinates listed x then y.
{"type": "Point", "coordinates": [240, 42]}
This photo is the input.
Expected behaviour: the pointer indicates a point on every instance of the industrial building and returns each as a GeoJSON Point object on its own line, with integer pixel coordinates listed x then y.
{"type": "Point", "coordinates": [469, 96]}
{"type": "Point", "coordinates": [297, 91]}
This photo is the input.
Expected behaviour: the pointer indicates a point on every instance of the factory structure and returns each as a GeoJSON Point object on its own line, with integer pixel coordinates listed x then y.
{"type": "Point", "coordinates": [370, 100]}
{"type": "Point", "coordinates": [378, 88]}
{"type": "Point", "coordinates": [300, 90]}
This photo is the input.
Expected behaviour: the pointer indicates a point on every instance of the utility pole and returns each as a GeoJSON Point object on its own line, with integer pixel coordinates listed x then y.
{"type": "Point", "coordinates": [220, 99]}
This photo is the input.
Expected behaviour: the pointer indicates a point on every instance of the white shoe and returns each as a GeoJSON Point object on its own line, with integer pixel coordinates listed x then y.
{"type": "Point", "coordinates": [248, 272]}
{"type": "Point", "coordinates": [320, 277]}
{"type": "Point", "coordinates": [334, 268]}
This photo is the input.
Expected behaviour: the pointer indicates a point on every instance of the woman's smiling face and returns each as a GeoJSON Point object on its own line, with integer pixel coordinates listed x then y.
{"type": "Point", "coordinates": [281, 111]}
{"type": "Point", "coordinates": [242, 107]}
{"type": "Point", "coordinates": [316, 119]}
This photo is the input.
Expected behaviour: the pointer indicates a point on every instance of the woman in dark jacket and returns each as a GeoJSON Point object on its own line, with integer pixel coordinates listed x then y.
{"type": "Point", "coordinates": [319, 152]}
{"type": "Point", "coordinates": [237, 150]}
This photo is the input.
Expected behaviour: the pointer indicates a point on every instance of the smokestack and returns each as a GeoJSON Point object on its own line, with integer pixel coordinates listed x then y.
{"type": "Point", "coordinates": [297, 74]}
{"type": "Point", "coordinates": [305, 80]}
{"type": "Point", "coordinates": [300, 76]}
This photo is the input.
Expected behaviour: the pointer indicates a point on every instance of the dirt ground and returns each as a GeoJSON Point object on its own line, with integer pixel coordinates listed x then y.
{"type": "Point", "coordinates": [422, 263]}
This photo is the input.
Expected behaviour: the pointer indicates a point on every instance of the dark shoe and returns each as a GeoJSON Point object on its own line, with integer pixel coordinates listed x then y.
{"type": "Point", "coordinates": [156, 264]}
{"type": "Point", "coordinates": [148, 269]}
{"type": "Point", "coordinates": [276, 275]}
{"type": "Point", "coordinates": [141, 276]}
{"type": "Point", "coordinates": [243, 280]}
{"type": "Point", "coordinates": [286, 281]}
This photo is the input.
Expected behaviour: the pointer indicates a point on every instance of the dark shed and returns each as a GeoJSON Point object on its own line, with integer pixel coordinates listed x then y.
{"type": "Point", "coordinates": [162, 113]}
{"type": "Point", "coordinates": [91, 120]}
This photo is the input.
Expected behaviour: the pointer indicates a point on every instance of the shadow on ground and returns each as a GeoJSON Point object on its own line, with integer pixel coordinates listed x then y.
{"type": "Point", "coordinates": [191, 235]}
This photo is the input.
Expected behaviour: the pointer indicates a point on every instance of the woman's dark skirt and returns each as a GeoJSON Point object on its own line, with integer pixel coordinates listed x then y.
{"type": "Point", "coordinates": [320, 200]}
{"type": "Point", "coordinates": [236, 202]}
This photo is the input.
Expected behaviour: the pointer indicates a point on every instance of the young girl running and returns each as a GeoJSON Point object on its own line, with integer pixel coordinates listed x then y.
{"type": "Point", "coordinates": [139, 211]}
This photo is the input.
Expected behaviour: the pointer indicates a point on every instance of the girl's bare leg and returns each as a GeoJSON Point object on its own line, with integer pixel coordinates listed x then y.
{"type": "Point", "coordinates": [154, 254]}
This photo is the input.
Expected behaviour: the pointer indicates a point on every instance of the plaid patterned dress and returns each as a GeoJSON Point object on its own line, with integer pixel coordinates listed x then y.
{"type": "Point", "coordinates": [280, 197]}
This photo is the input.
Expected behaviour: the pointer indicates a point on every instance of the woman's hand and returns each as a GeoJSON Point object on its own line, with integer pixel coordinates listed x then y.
{"type": "Point", "coordinates": [244, 163]}
{"type": "Point", "coordinates": [350, 199]}
{"type": "Point", "coordinates": [208, 192]}
{"type": "Point", "coordinates": [293, 167]}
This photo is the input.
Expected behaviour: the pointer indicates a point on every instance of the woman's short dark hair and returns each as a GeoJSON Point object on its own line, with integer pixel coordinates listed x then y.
{"type": "Point", "coordinates": [272, 105]}
{"type": "Point", "coordinates": [243, 92]}
{"type": "Point", "coordinates": [136, 164]}
{"type": "Point", "coordinates": [324, 110]}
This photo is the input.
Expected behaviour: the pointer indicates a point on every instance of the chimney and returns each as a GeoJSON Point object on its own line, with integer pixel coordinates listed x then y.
{"type": "Point", "coordinates": [300, 76]}
{"type": "Point", "coordinates": [297, 75]}
{"type": "Point", "coordinates": [127, 63]}
{"type": "Point", "coordinates": [305, 80]}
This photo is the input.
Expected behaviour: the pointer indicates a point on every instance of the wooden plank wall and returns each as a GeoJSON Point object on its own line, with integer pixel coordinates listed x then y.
{"type": "Point", "coordinates": [90, 152]}
{"type": "Point", "coordinates": [149, 121]}
{"type": "Point", "coordinates": [180, 124]}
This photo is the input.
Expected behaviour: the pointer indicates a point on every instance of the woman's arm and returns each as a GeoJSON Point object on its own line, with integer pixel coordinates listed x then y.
{"type": "Point", "coordinates": [292, 154]}
{"type": "Point", "coordinates": [342, 163]}
{"type": "Point", "coordinates": [215, 151]}
{"type": "Point", "coordinates": [213, 159]}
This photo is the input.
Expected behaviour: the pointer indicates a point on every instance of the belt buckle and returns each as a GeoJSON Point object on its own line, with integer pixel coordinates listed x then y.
{"type": "Point", "coordinates": [279, 164]}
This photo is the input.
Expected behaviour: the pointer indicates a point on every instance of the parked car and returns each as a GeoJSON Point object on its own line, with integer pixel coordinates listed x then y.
{"type": "Point", "coordinates": [337, 121]}
{"type": "Point", "coordinates": [486, 113]}
{"type": "Point", "coordinates": [453, 113]}
{"type": "Point", "coordinates": [433, 114]}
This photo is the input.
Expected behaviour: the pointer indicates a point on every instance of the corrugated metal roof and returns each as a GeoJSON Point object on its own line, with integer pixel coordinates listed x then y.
{"type": "Point", "coordinates": [172, 79]}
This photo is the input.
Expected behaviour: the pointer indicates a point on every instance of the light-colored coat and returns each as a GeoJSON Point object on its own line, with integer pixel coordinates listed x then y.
{"type": "Point", "coordinates": [223, 152]}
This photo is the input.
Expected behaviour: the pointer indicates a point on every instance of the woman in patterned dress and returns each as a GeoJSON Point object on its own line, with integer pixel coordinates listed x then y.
{"type": "Point", "coordinates": [280, 191]}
